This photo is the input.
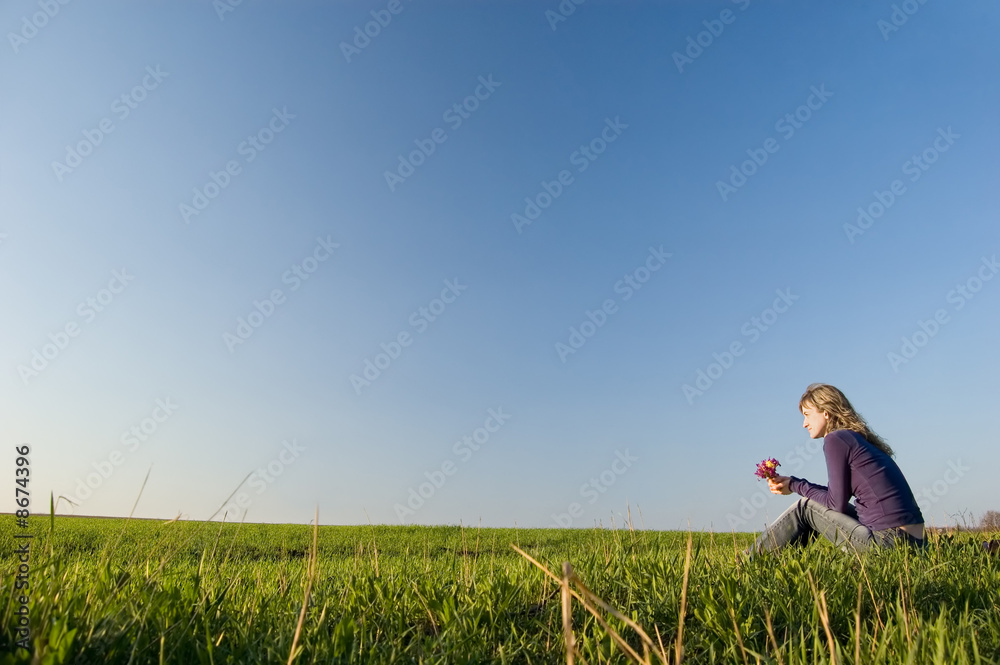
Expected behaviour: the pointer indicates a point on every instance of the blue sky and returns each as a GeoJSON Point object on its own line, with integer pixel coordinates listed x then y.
{"type": "Point", "coordinates": [505, 403]}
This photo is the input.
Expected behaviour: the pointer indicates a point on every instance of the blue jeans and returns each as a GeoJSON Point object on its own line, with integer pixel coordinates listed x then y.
{"type": "Point", "coordinates": [805, 520]}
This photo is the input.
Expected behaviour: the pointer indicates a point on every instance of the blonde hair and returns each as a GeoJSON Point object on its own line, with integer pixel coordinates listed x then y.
{"type": "Point", "coordinates": [824, 397]}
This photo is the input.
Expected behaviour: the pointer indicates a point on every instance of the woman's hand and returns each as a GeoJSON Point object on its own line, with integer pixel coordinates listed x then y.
{"type": "Point", "coordinates": [779, 484]}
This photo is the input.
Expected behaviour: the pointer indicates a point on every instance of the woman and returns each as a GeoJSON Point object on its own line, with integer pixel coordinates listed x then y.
{"type": "Point", "coordinates": [859, 464]}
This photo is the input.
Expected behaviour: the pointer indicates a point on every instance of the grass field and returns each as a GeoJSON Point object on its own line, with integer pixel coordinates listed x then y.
{"type": "Point", "coordinates": [117, 591]}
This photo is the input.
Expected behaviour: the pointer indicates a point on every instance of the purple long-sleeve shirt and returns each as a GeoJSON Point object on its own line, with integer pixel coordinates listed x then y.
{"type": "Point", "coordinates": [882, 497]}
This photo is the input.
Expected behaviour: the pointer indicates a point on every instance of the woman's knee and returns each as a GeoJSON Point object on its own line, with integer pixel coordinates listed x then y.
{"type": "Point", "coordinates": [802, 505]}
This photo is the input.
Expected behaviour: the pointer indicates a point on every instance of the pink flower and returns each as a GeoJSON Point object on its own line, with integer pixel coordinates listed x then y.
{"type": "Point", "coordinates": [767, 469]}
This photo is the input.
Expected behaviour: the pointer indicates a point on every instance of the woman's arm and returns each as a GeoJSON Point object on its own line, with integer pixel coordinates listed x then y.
{"type": "Point", "coordinates": [837, 494]}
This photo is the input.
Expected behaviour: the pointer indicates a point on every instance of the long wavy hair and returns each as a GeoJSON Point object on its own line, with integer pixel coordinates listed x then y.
{"type": "Point", "coordinates": [824, 397]}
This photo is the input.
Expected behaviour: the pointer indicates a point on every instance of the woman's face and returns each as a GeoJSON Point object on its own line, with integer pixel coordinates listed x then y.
{"type": "Point", "coordinates": [815, 420]}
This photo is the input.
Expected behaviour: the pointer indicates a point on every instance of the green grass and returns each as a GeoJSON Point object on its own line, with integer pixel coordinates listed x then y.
{"type": "Point", "coordinates": [111, 591]}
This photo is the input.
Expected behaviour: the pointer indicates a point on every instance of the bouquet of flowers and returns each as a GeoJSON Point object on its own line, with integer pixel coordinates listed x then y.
{"type": "Point", "coordinates": [767, 469]}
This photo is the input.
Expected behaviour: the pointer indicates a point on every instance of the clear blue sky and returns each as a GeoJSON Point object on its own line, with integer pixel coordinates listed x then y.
{"type": "Point", "coordinates": [309, 128]}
